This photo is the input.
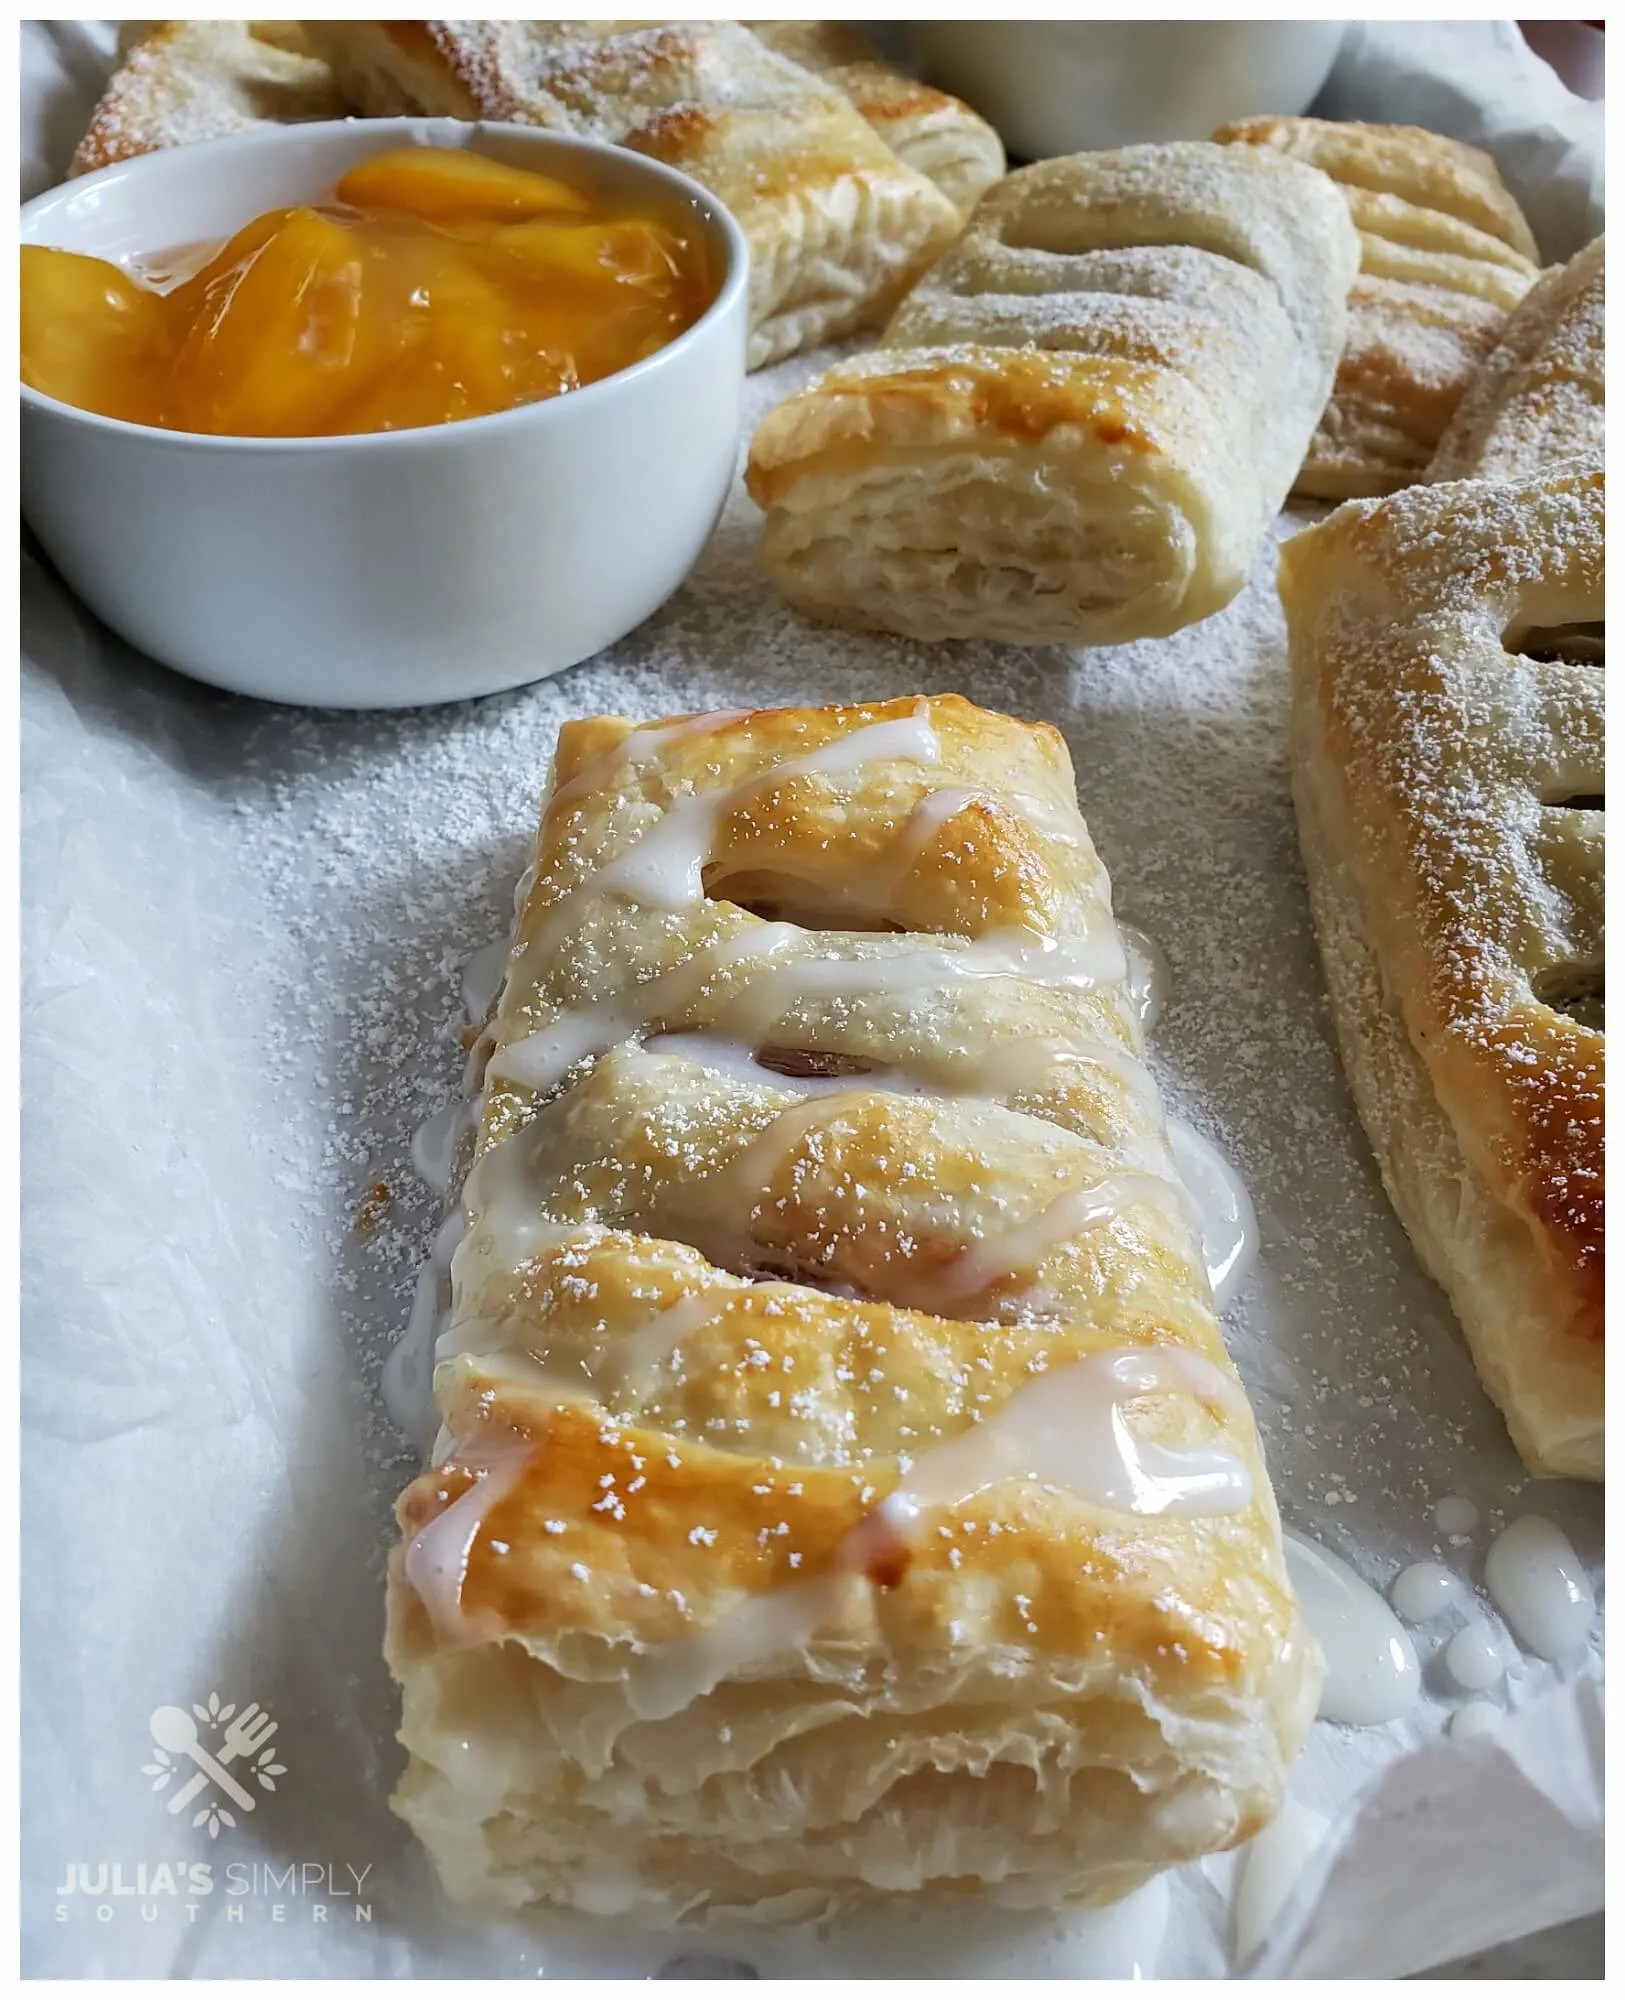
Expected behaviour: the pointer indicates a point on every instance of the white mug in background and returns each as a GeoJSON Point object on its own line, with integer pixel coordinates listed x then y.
{"type": "Point", "coordinates": [1054, 87]}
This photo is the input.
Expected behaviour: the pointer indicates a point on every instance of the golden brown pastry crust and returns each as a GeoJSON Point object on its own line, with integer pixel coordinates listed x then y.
{"type": "Point", "coordinates": [839, 227]}
{"type": "Point", "coordinates": [687, 1663]}
{"type": "Point", "coordinates": [1081, 421]}
{"type": "Point", "coordinates": [189, 80]}
{"type": "Point", "coordinates": [1449, 791]}
{"type": "Point", "coordinates": [1445, 253]}
{"type": "Point", "coordinates": [1540, 397]}
{"type": "Point", "coordinates": [935, 134]}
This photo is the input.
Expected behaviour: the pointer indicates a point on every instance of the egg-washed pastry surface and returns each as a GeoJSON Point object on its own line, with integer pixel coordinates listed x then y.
{"type": "Point", "coordinates": [190, 80]}
{"type": "Point", "coordinates": [1447, 664]}
{"type": "Point", "coordinates": [1540, 397]}
{"type": "Point", "coordinates": [838, 226]}
{"type": "Point", "coordinates": [1445, 253]}
{"type": "Point", "coordinates": [843, 1490]}
{"type": "Point", "coordinates": [928, 130]}
{"type": "Point", "coordinates": [1083, 418]}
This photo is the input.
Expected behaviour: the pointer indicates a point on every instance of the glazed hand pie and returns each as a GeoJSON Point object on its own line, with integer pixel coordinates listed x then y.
{"type": "Point", "coordinates": [935, 134]}
{"type": "Point", "coordinates": [839, 227]}
{"type": "Point", "coordinates": [1447, 664]}
{"type": "Point", "coordinates": [843, 1490]}
{"type": "Point", "coordinates": [1445, 254]}
{"type": "Point", "coordinates": [1539, 398]}
{"type": "Point", "coordinates": [189, 80]}
{"type": "Point", "coordinates": [1082, 420]}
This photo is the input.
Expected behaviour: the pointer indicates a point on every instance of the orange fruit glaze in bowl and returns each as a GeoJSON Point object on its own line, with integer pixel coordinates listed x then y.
{"type": "Point", "coordinates": [434, 285]}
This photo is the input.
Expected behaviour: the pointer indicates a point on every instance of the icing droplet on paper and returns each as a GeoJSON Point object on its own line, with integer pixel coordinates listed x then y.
{"type": "Point", "coordinates": [1424, 1591]}
{"type": "Point", "coordinates": [1473, 1659]}
{"type": "Point", "coordinates": [1475, 1719]}
{"type": "Point", "coordinates": [1540, 1587]}
{"type": "Point", "coordinates": [1229, 1226]}
{"type": "Point", "coordinates": [1454, 1515]}
{"type": "Point", "coordinates": [482, 979]}
{"type": "Point", "coordinates": [1372, 1673]}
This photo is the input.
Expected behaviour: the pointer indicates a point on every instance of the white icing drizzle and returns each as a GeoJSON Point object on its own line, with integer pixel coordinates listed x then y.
{"type": "Point", "coordinates": [436, 1142]}
{"type": "Point", "coordinates": [1065, 1430]}
{"type": "Point", "coordinates": [508, 1227]}
{"type": "Point", "coordinates": [667, 1679]}
{"type": "Point", "coordinates": [732, 1059]}
{"type": "Point", "coordinates": [436, 1560]}
{"type": "Point", "coordinates": [1271, 1863]}
{"type": "Point", "coordinates": [1229, 1225]}
{"type": "Point", "coordinates": [1540, 1587]}
{"type": "Point", "coordinates": [1148, 976]}
{"type": "Point", "coordinates": [1023, 1246]}
{"type": "Point", "coordinates": [1454, 1515]}
{"type": "Point", "coordinates": [543, 1059]}
{"type": "Point", "coordinates": [1015, 1067]}
{"type": "Point", "coordinates": [1372, 1673]}
{"type": "Point", "coordinates": [1423, 1591]}
{"type": "Point", "coordinates": [615, 1361]}
{"type": "Point", "coordinates": [932, 812]}
{"type": "Point", "coordinates": [1012, 953]}
{"type": "Point", "coordinates": [1059, 822]}
{"type": "Point", "coordinates": [741, 1184]}
{"type": "Point", "coordinates": [1473, 1659]}
{"type": "Point", "coordinates": [482, 979]}
{"type": "Point", "coordinates": [640, 746]}
{"type": "Point", "coordinates": [1476, 1719]}
{"type": "Point", "coordinates": [665, 865]}
{"type": "Point", "coordinates": [407, 1382]}
{"type": "Point", "coordinates": [509, 1224]}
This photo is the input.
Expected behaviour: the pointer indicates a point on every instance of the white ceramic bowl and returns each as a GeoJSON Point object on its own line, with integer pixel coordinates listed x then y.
{"type": "Point", "coordinates": [1055, 87]}
{"type": "Point", "coordinates": [404, 567]}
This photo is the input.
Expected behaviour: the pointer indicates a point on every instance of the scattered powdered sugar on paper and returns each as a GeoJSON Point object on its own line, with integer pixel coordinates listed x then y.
{"type": "Point", "coordinates": [348, 866]}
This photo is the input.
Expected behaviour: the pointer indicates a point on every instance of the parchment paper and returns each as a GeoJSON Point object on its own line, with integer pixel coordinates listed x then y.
{"type": "Point", "coordinates": [242, 934]}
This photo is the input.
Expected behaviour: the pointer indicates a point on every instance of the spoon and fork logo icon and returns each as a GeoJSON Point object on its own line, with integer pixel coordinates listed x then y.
{"type": "Point", "coordinates": [212, 1738]}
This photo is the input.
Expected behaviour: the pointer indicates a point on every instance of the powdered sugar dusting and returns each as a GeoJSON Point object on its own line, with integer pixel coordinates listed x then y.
{"type": "Point", "coordinates": [202, 79]}
{"type": "Point", "coordinates": [1540, 395]}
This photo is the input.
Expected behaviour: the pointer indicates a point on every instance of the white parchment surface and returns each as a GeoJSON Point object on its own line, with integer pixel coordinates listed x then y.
{"type": "Point", "coordinates": [242, 933]}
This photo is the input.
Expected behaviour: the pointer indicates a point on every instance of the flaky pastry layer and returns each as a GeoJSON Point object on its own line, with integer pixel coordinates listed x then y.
{"type": "Point", "coordinates": [1447, 763]}
{"type": "Point", "coordinates": [933, 133]}
{"type": "Point", "coordinates": [1445, 253]}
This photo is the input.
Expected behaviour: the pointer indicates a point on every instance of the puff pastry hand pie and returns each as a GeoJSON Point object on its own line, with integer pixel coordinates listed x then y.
{"type": "Point", "coordinates": [1445, 253]}
{"type": "Point", "coordinates": [843, 1488]}
{"type": "Point", "coordinates": [935, 134]}
{"type": "Point", "coordinates": [839, 227]}
{"type": "Point", "coordinates": [1082, 420]}
{"type": "Point", "coordinates": [1447, 664]}
{"type": "Point", "coordinates": [1540, 396]}
{"type": "Point", "coordinates": [189, 80]}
